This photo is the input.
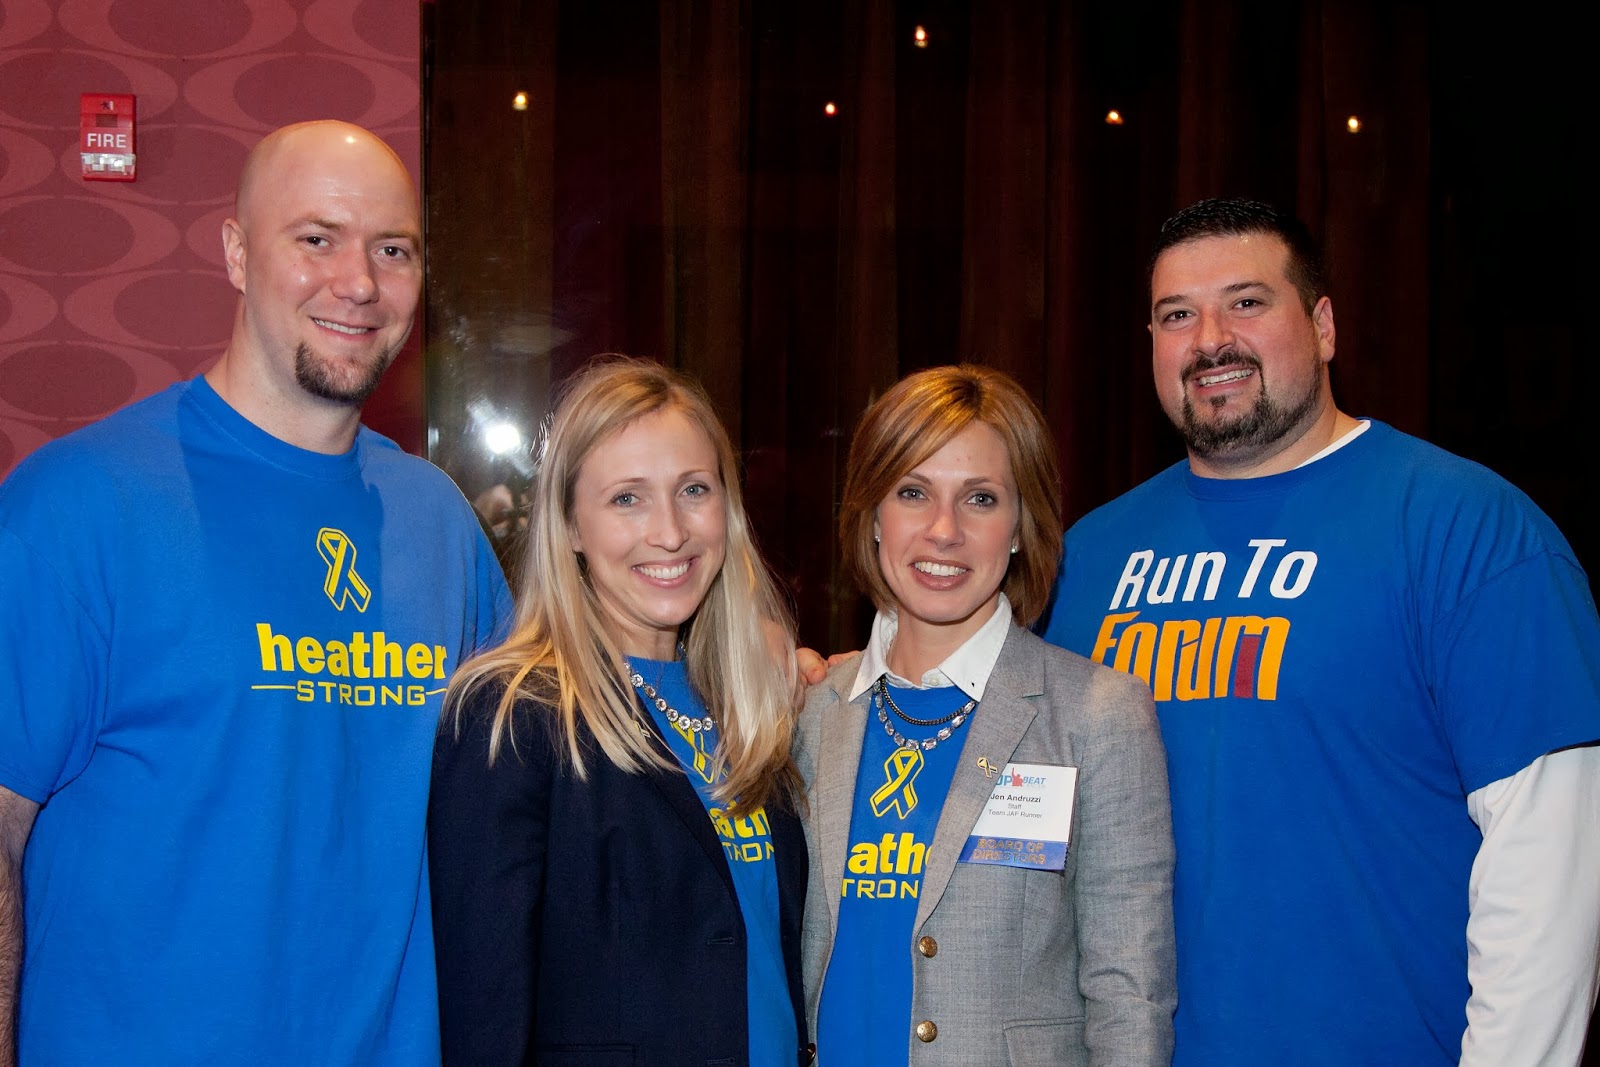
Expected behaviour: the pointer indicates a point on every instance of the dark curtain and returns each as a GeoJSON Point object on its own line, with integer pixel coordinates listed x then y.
{"type": "Point", "coordinates": [677, 189]}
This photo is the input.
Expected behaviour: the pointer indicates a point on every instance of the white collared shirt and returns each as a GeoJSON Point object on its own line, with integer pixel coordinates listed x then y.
{"type": "Point", "coordinates": [967, 668]}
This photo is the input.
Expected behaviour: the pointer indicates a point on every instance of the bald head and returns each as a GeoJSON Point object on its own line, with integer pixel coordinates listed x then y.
{"type": "Point", "coordinates": [310, 145]}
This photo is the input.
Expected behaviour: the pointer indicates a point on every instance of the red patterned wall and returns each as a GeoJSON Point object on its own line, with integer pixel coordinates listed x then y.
{"type": "Point", "coordinates": [111, 291]}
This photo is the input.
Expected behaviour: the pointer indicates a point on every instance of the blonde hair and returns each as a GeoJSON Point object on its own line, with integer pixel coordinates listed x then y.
{"type": "Point", "coordinates": [563, 654]}
{"type": "Point", "coordinates": [919, 415]}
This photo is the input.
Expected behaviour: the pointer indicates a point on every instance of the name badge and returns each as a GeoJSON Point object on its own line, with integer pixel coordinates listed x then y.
{"type": "Point", "coordinates": [1027, 820]}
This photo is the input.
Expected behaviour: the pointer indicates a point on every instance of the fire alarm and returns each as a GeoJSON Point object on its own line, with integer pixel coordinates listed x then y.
{"type": "Point", "coordinates": [106, 136]}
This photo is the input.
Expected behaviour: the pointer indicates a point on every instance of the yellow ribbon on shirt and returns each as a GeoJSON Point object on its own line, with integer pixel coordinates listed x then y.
{"type": "Point", "coordinates": [343, 585]}
{"type": "Point", "coordinates": [899, 792]}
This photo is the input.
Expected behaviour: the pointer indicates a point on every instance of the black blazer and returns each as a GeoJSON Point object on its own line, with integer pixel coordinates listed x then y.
{"type": "Point", "coordinates": [592, 922]}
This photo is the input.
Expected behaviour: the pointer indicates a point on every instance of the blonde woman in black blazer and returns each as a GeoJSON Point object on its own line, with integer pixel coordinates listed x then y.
{"type": "Point", "coordinates": [617, 870]}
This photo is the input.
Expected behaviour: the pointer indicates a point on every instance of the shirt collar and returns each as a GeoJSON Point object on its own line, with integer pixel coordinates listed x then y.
{"type": "Point", "coordinates": [1360, 428]}
{"type": "Point", "coordinates": [967, 668]}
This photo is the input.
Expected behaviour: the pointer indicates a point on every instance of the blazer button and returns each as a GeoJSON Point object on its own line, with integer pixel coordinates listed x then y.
{"type": "Point", "coordinates": [926, 1031]}
{"type": "Point", "coordinates": [928, 947]}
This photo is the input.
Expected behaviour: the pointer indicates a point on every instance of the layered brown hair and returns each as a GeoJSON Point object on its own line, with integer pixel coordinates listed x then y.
{"type": "Point", "coordinates": [918, 416]}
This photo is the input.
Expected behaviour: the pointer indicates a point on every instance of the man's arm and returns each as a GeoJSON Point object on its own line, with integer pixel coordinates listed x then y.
{"type": "Point", "coordinates": [1533, 931]}
{"type": "Point", "coordinates": [16, 822]}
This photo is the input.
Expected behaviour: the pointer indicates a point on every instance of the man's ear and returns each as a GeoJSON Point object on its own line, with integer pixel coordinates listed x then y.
{"type": "Point", "coordinates": [1322, 322]}
{"type": "Point", "coordinates": [233, 252]}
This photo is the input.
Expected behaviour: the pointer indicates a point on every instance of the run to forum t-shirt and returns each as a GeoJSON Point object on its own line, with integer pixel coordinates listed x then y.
{"type": "Point", "coordinates": [1339, 654]}
{"type": "Point", "coordinates": [865, 1014]}
{"type": "Point", "coordinates": [747, 844]}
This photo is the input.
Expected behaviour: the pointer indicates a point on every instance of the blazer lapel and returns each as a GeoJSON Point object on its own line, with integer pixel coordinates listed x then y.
{"type": "Point", "coordinates": [843, 729]}
{"type": "Point", "coordinates": [681, 797]}
{"type": "Point", "coordinates": [995, 730]}
{"type": "Point", "coordinates": [789, 848]}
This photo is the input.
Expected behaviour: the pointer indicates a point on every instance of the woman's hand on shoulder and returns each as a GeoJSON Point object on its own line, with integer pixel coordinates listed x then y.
{"type": "Point", "coordinates": [811, 666]}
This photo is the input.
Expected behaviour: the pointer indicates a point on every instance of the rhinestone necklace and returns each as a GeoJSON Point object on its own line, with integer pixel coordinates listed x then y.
{"type": "Point", "coordinates": [880, 694]}
{"type": "Point", "coordinates": [674, 716]}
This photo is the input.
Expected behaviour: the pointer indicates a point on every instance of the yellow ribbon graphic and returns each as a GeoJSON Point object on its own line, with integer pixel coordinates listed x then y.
{"type": "Point", "coordinates": [901, 770]}
{"type": "Point", "coordinates": [702, 758]}
{"type": "Point", "coordinates": [343, 585]}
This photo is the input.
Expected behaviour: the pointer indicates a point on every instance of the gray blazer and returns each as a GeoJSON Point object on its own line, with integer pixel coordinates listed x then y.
{"type": "Point", "coordinates": [1013, 966]}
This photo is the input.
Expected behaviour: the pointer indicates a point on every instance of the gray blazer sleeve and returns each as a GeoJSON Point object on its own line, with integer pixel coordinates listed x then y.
{"type": "Point", "coordinates": [1123, 877]}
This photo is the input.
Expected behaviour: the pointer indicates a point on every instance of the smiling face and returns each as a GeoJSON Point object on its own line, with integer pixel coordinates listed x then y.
{"type": "Point", "coordinates": [649, 516]}
{"type": "Point", "coordinates": [945, 534]}
{"type": "Point", "coordinates": [326, 252]}
{"type": "Point", "coordinates": [1240, 368]}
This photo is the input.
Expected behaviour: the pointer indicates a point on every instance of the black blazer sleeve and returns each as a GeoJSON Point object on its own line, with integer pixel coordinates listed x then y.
{"type": "Point", "coordinates": [488, 830]}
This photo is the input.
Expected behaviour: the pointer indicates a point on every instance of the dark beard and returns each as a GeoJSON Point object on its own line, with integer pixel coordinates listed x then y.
{"type": "Point", "coordinates": [1265, 423]}
{"type": "Point", "coordinates": [313, 377]}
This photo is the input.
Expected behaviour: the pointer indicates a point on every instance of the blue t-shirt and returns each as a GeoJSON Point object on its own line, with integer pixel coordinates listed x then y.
{"type": "Point", "coordinates": [747, 844]}
{"type": "Point", "coordinates": [1339, 655]}
{"type": "Point", "coordinates": [866, 996]}
{"type": "Point", "coordinates": [221, 667]}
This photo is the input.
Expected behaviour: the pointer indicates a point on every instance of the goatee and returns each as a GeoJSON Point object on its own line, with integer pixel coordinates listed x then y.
{"type": "Point", "coordinates": [1265, 423]}
{"type": "Point", "coordinates": [315, 377]}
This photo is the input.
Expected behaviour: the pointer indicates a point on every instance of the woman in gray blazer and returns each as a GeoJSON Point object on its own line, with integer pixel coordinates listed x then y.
{"type": "Point", "coordinates": [991, 846]}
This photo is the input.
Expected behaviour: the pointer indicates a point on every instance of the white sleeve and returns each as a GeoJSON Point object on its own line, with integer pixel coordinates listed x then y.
{"type": "Point", "coordinates": [1533, 929]}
